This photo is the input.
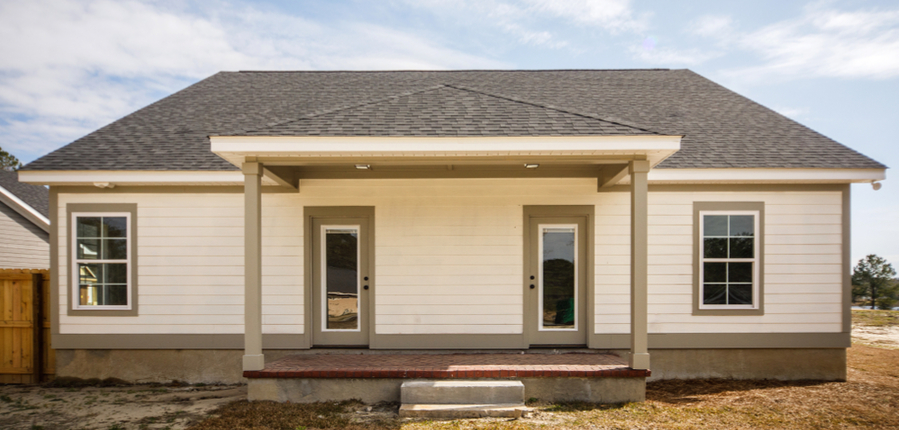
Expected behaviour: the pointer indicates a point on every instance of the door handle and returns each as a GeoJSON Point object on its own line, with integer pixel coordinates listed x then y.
{"type": "Point", "coordinates": [365, 287]}
{"type": "Point", "coordinates": [531, 286]}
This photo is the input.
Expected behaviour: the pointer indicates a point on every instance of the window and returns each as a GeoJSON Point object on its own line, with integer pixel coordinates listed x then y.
{"type": "Point", "coordinates": [102, 260]}
{"type": "Point", "coordinates": [728, 275]}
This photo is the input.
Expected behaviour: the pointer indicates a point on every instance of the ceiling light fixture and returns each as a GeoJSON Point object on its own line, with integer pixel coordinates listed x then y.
{"type": "Point", "coordinates": [364, 167]}
{"type": "Point", "coordinates": [531, 166]}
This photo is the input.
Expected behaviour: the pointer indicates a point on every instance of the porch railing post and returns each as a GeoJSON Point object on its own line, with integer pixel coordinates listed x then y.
{"type": "Point", "coordinates": [253, 356]}
{"type": "Point", "coordinates": [639, 358]}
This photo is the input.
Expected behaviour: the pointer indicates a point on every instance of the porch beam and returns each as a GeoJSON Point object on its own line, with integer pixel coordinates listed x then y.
{"type": "Point", "coordinates": [253, 356]}
{"type": "Point", "coordinates": [611, 175]}
{"type": "Point", "coordinates": [281, 177]}
{"type": "Point", "coordinates": [639, 358]}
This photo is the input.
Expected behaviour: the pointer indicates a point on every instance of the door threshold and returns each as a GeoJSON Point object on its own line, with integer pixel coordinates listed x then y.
{"type": "Point", "coordinates": [558, 346]}
{"type": "Point", "coordinates": [339, 347]}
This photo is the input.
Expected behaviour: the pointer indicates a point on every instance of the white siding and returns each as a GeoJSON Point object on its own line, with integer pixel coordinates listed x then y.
{"type": "Point", "coordinates": [802, 263]}
{"type": "Point", "coordinates": [23, 245]}
{"type": "Point", "coordinates": [191, 264]}
{"type": "Point", "coordinates": [449, 257]}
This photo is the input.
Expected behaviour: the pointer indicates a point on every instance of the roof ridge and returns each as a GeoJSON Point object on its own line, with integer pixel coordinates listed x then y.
{"type": "Point", "coordinates": [338, 109]}
{"type": "Point", "coordinates": [453, 71]}
{"type": "Point", "coordinates": [558, 109]}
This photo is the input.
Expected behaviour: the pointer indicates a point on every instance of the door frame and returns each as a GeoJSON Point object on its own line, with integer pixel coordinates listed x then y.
{"type": "Point", "coordinates": [529, 307]}
{"type": "Point", "coordinates": [336, 213]}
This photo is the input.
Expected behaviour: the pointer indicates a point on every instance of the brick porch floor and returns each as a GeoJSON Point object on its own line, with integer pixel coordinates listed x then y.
{"type": "Point", "coordinates": [508, 365]}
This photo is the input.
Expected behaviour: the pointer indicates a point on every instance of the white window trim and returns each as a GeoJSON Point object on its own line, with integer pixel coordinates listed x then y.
{"type": "Point", "coordinates": [540, 256]}
{"type": "Point", "coordinates": [74, 261]}
{"type": "Point", "coordinates": [324, 278]}
{"type": "Point", "coordinates": [754, 260]}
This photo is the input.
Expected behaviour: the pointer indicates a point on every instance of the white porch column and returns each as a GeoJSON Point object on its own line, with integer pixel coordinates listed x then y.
{"type": "Point", "coordinates": [638, 357]}
{"type": "Point", "coordinates": [253, 356]}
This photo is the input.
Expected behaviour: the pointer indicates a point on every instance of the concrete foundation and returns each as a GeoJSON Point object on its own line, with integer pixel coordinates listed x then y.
{"type": "Point", "coordinates": [157, 365]}
{"type": "Point", "coordinates": [784, 364]}
{"type": "Point", "coordinates": [373, 390]}
{"type": "Point", "coordinates": [224, 366]}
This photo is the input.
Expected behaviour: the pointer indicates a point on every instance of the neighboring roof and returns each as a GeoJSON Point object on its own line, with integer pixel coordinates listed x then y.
{"type": "Point", "coordinates": [721, 129]}
{"type": "Point", "coordinates": [36, 196]}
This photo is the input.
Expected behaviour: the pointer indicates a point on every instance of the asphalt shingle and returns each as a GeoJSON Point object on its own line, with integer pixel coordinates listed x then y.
{"type": "Point", "coordinates": [36, 196]}
{"type": "Point", "coordinates": [721, 129]}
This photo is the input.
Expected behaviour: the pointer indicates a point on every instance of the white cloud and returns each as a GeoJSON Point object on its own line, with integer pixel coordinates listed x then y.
{"type": "Point", "coordinates": [612, 15]}
{"type": "Point", "coordinates": [825, 43]}
{"type": "Point", "coordinates": [72, 66]}
{"type": "Point", "coordinates": [712, 26]}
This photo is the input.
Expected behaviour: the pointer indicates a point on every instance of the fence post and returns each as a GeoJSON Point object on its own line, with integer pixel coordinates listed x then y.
{"type": "Point", "coordinates": [37, 323]}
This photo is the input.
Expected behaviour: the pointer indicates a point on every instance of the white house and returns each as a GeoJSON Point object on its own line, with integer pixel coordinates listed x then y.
{"type": "Point", "coordinates": [255, 215]}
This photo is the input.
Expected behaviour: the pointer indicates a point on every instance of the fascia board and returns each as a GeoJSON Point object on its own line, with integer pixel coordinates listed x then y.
{"type": "Point", "coordinates": [120, 177]}
{"type": "Point", "coordinates": [744, 175]}
{"type": "Point", "coordinates": [276, 145]}
{"type": "Point", "coordinates": [24, 209]}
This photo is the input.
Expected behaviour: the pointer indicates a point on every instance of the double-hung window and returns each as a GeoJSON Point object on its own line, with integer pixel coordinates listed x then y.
{"type": "Point", "coordinates": [729, 258]}
{"type": "Point", "coordinates": [101, 261]}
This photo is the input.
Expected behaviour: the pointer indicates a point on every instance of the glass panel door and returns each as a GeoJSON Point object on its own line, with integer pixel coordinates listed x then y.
{"type": "Point", "coordinates": [555, 280]}
{"type": "Point", "coordinates": [341, 280]}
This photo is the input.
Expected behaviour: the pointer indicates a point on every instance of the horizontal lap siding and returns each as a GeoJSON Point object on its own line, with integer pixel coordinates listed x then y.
{"type": "Point", "coordinates": [802, 261]}
{"type": "Point", "coordinates": [449, 258]}
{"type": "Point", "coordinates": [449, 252]}
{"type": "Point", "coordinates": [191, 264]}
{"type": "Point", "coordinates": [23, 245]}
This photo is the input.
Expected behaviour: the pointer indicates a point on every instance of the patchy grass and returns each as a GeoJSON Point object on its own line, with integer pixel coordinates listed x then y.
{"type": "Point", "coordinates": [868, 399]}
{"type": "Point", "coordinates": [875, 318]}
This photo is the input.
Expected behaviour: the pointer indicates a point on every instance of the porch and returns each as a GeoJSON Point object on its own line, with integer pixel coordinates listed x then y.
{"type": "Point", "coordinates": [376, 376]}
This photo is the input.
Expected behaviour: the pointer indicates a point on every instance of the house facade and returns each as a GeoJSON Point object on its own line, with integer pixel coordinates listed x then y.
{"type": "Point", "coordinates": [254, 215]}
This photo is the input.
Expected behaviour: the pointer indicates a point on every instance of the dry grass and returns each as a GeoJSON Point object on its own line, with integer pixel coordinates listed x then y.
{"type": "Point", "coordinates": [875, 318]}
{"type": "Point", "coordinates": [868, 399]}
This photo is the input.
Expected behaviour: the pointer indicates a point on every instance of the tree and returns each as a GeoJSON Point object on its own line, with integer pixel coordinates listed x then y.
{"type": "Point", "coordinates": [9, 162]}
{"type": "Point", "coordinates": [873, 279]}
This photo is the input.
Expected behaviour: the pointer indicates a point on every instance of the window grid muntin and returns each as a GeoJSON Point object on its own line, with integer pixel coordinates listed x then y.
{"type": "Point", "coordinates": [754, 261]}
{"type": "Point", "coordinates": [78, 262]}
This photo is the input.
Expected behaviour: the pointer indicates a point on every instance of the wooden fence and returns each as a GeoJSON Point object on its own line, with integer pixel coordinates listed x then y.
{"type": "Point", "coordinates": [25, 354]}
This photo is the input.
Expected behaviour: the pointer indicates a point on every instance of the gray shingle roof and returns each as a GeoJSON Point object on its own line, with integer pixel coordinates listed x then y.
{"type": "Point", "coordinates": [721, 128]}
{"type": "Point", "coordinates": [446, 111]}
{"type": "Point", "coordinates": [36, 196]}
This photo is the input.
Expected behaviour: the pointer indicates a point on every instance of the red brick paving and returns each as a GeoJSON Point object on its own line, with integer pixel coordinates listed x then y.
{"type": "Point", "coordinates": [592, 365]}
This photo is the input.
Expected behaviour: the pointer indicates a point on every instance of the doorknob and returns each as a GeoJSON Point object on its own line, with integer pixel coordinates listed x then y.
{"type": "Point", "coordinates": [365, 287]}
{"type": "Point", "coordinates": [531, 286]}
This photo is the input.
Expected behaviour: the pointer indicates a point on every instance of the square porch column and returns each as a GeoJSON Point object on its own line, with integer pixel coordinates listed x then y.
{"type": "Point", "coordinates": [639, 358]}
{"type": "Point", "coordinates": [253, 356]}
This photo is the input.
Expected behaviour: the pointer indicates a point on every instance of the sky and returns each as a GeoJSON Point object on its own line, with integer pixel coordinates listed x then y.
{"type": "Point", "coordinates": [70, 67]}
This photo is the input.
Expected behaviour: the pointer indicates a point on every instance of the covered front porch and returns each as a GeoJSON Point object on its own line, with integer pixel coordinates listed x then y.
{"type": "Point", "coordinates": [610, 161]}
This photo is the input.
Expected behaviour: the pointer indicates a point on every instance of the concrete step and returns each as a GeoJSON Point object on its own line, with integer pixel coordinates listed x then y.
{"type": "Point", "coordinates": [462, 392]}
{"type": "Point", "coordinates": [463, 411]}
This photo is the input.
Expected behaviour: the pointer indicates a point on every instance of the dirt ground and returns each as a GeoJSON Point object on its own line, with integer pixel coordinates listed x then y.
{"type": "Point", "coordinates": [178, 407]}
{"type": "Point", "coordinates": [124, 407]}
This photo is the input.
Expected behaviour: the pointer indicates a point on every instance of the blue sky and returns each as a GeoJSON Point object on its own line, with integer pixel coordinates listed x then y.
{"type": "Point", "coordinates": [70, 67]}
